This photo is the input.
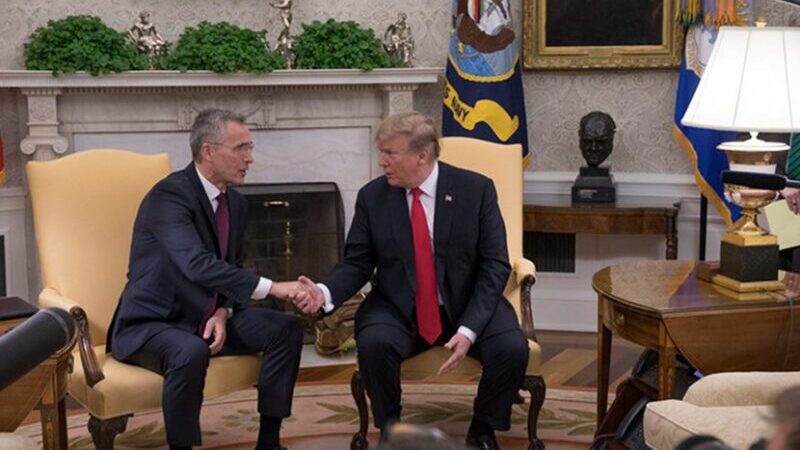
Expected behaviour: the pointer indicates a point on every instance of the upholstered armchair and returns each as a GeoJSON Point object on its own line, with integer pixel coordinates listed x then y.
{"type": "Point", "coordinates": [84, 207]}
{"type": "Point", "coordinates": [732, 406]}
{"type": "Point", "coordinates": [503, 164]}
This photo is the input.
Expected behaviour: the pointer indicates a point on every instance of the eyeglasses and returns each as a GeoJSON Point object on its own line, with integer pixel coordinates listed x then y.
{"type": "Point", "coordinates": [247, 147]}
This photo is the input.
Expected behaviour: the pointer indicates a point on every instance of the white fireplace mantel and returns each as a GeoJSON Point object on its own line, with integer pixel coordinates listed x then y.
{"type": "Point", "coordinates": [43, 79]}
{"type": "Point", "coordinates": [146, 101]}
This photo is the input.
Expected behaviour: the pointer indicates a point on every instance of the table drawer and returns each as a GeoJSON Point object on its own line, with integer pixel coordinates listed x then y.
{"type": "Point", "coordinates": [631, 324]}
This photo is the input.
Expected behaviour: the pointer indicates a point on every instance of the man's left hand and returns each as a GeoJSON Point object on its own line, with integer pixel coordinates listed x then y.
{"type": "Point", "coordinates": [216, 327]}
{"type": "Point", "coordinates": [460, 345]}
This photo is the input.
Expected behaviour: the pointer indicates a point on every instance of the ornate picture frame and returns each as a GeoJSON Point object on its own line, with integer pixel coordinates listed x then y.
{"type": "Point", "coordinates": [601, 34]}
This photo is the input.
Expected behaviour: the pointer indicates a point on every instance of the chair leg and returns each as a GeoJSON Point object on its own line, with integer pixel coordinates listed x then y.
{"type": "Point", "coordinates": [359, 392]}
{"type": "Point", "coordinates": [104, 431]}
{"type": "Point", "coordinates": [534, 385]}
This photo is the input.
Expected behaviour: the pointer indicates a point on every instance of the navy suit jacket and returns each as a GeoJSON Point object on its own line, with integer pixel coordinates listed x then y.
{"type": "Point", "coordinates": [174, 269]}
{"type": "Point", "coordinates": [471, 256]}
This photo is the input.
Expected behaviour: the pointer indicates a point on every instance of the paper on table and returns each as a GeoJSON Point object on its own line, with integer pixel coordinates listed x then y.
{"type": "Point", "coordinates": [783, 223]}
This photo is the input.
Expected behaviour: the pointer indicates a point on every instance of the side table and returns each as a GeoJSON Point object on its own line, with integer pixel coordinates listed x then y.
{"type": "Point", "coordinates": [629, 215]}
{"type": "Point", "coordinates": [45, 385]}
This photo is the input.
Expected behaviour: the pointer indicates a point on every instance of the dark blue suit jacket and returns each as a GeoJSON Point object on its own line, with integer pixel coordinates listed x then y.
{"type": "Point", "coordinates": [471, 255]}
{"type": "Point", "coordinates": [174, 269]}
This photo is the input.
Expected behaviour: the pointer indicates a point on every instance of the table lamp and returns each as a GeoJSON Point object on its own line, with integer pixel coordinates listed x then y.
{"type": "Point", "coordinates": [751, 84]}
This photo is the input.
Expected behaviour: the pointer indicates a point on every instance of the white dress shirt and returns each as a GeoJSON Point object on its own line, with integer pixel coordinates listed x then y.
{"type": "Point", "coordinates": [428, 200]}
{"type": "Point", "coordinates": [264, 284]}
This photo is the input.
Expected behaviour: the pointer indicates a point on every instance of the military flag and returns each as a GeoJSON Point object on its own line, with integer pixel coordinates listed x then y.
{"type": "Point", "coordinates": [483, 88]}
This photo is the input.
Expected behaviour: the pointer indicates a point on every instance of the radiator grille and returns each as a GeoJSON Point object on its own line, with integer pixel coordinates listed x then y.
{"type": "Point", "coordinates": [551, 252]}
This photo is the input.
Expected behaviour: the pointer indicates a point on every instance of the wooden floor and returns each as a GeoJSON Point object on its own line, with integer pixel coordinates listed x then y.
{"type": "Point", "coordinates": [570, 360]}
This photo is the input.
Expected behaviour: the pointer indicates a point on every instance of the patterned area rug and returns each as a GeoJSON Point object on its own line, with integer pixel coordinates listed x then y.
{"type": "Point", "coordinates": [325, 417]}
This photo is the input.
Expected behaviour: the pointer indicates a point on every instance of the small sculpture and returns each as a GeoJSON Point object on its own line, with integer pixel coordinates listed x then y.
{"type": "Point", "coordinates": [285, 43]}
{"type": "Point", "coordinates": [398, 42]}
{"type": "Point", "coordinates": [596, 137]}
{"type": "Point", "coordinates": [144, 35]}
{"type": "Point", "coordinates": [595, 184]}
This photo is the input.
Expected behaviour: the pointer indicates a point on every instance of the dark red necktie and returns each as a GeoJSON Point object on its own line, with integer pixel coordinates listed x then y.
{"type": "Point", "coordinates": [221, 219]}
{"type": "Point", "coordinates": [429, 323]}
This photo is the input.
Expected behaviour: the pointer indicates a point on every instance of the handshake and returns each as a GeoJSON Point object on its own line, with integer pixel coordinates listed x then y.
{"type": "Point", "coordinates": [303, 293]}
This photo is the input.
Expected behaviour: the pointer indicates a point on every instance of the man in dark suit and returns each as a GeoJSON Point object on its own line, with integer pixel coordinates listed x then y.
{"type": "Point", "coordinates": [436, 237]}
{"type": "Point", "coordinates": [186, 296]}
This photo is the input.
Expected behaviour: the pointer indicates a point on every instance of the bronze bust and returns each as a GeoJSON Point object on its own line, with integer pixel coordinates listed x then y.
{"type": "Point", "coordinates": [595, 184]}
{"type": "Point", "coordinates": [596, 134]}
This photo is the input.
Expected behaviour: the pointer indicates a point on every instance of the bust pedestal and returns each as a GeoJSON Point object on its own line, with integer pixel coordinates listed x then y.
{"type": "Point", "coordinates": [594, 185]}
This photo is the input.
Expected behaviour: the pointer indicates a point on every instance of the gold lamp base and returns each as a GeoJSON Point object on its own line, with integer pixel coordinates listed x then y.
{"type": "Point", "coordinates": [748, 253]}
{"type": "Point", "coordinates": [746, 286]}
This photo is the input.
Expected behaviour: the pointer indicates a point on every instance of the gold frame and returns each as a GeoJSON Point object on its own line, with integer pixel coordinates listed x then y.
{"type": "Point", "coordinates": [536, 55]}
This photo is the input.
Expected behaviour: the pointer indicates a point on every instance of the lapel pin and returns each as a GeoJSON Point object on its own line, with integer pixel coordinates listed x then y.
{"type": "Point", "coordinates": [448, 198]}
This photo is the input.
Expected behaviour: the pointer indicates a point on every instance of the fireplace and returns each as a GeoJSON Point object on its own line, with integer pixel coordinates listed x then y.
{"type": "Point", "coordinates": [292, 229]}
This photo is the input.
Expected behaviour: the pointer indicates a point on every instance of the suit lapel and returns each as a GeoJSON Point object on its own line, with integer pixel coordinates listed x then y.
{"type": "Point", "coordinates": [401, 229]}
{"type": "Point", "coordinates": [205, 204]}
{"type": "Point", "coordinates": [442, 220]}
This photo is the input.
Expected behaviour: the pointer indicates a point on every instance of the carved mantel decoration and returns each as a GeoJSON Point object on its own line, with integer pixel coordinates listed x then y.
{"type": "Point", "coordinates": [59, 107]}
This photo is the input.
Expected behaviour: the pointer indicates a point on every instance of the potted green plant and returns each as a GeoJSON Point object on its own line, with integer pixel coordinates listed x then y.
{"type": "Point", "coordinates": [223, 48]}
{"type": "Point", "coordinates": [81, 43]}
{"type": "Point", "coordinates": [340, 45]}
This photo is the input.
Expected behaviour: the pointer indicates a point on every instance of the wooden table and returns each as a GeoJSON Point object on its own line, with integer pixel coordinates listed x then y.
{"type": "Point", "coordinates": [45, 385]}
{"type": "Point", "coordinates": [629, 215]}
{"type": "Point", "coordinates": [661, 305]}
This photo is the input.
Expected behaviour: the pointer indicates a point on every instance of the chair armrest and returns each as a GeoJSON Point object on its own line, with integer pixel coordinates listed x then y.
{"type": "Point", "coordinates": [524, 273]}
{"type": "Point", "coordinates": [740, 388]}
{"type": "Point", "coordinates": [91, 368]}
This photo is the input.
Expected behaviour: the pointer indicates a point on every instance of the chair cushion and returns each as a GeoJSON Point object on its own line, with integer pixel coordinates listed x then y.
{"type": "Point", "coordinates": [428, 362]}
{"type": "Point", "coordinates": [751, 388]}
{"type": "Point", "coordinates": [129, 389]}
{"type": "Point", "coordinates": [668, 422]}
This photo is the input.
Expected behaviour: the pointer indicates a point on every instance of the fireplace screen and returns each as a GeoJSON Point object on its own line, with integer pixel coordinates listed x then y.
{"type": "Point", "coordinates": [292, 229]}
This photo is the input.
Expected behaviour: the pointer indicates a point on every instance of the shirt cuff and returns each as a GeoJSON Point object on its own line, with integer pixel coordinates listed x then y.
{"type": "Point", "coordinates": [328, 305]}
{"type": "Point", "coordinates": [468, 333]}
{"type": "Point", "coordinates": [262, 289]}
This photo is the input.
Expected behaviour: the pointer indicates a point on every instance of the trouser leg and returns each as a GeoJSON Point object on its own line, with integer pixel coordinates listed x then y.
{"type": "Point", "coordinates": [279, 338]}
{"type": "Point", "coordinates": [504, 358]}
{"type": "Point", "coordinates": [381, 351]}
{"type": "Point", "coordinates": [182, 358]}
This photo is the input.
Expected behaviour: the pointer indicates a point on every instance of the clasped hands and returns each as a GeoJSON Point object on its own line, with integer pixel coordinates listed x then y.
{"type": "Point", "coordinates": [303, 293]}
{"type": "Point", "coordinates": [308, 297]}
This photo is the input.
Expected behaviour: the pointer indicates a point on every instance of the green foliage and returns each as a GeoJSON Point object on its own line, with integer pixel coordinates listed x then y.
{"type": "Point", "coordinates": [223, 48]}
{"type": "Point", "coordinates": [81, 43]}
{"type": "Point", "coordinates": [340, 45]}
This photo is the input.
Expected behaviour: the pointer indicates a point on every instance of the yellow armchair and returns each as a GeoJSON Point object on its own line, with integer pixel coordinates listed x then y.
{"type": "Point", "coordinates": [503, 164]}
{"type": "Point", "coordinates": [84, 206]}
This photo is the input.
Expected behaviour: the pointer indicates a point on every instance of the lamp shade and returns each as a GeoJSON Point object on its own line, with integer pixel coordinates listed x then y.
{"type": "Point", "coordinates": [751, 82]}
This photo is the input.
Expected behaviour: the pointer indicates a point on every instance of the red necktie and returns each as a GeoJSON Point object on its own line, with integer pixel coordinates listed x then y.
{"type": "Point", "coordinates": [429, 324]}
{"type": "Point", "coordinates": [221, 219]}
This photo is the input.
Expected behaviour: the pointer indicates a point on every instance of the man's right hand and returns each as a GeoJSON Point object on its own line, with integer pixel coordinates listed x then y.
{"type": "Point", "coordinates": [792, 196]}
{"type": "Point", "coordinates": [314, 300]}
{"type": "Point", "coordinates": [290, 291]}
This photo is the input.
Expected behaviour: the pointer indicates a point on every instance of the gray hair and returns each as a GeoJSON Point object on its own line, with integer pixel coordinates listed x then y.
{"type": "Point", "coordinates": [417, 127]}
{"type": "Point", "coordinates": [209, 126]}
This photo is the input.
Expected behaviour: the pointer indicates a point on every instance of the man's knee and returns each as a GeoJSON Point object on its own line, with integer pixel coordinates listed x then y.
{"type": "Point", "coordinates": [191, 354]}
{"type": "Point", "coordinates": [373, 342]}
{"type": "Point", "coordinates": [511, 348]}
{"type": "Point", "coordinates": [290, 330]}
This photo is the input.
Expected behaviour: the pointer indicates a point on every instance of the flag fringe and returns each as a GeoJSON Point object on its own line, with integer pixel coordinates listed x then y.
{"type": "Point", "coordinates": [706, 189]}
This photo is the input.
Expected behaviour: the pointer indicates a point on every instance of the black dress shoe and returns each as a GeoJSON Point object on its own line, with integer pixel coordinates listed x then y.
{"type": "Point", "coordinates": [482, 442]}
